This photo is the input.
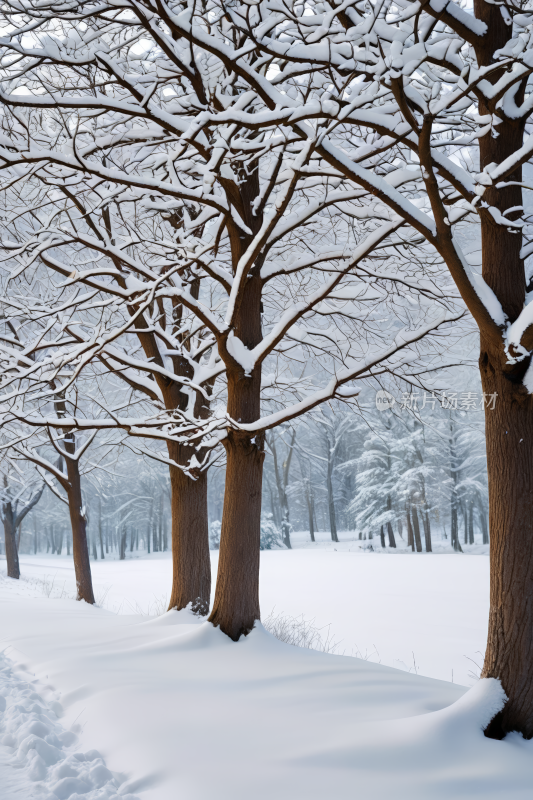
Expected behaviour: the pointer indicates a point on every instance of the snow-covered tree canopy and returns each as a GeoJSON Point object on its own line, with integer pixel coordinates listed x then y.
{"type": "Point", "coordinates": [177, 173]}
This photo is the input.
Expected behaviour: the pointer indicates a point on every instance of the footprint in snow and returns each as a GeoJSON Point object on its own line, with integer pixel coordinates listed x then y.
{"type": "Point", "coordinates": [38, 758]}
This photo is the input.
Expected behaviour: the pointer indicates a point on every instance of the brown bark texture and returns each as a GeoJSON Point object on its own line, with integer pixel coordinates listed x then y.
{"type": "Point", "coordinates": [236, 606]}
{"type": "Point", "coordinates": [191, 573]}
{"type": "Point", "coordinates": [236, 603]}
{"type": "Point", "coordinates": [12, 556]}
{"type": "Point", "coordinates": [509, 429]}
{"type": "Point", "coordinates": [509, 654]}
{"type": "Point", "coordinates": [12, 521]}
{"type": "Point", "coordinates": [78, 522]}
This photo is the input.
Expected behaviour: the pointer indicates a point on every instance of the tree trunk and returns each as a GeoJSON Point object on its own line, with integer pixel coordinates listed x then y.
{"type": "Point", "coordinates": [160, 543]}
{"type": "Point", "coordinates": [12, 556]}
{"type": "Point", "coordinates": [100, 534]}
{"type": "Point", "coordinates": [331, 501]}
{"type": "Point", "coordinates": [191, 564]}
{"type": "Point", "coordinates": [483, 521]}
{"type": "Point", "coordinates": [282, 476]}
{"type": "Point", "coordinates": [455, 528]}
{"type": "Point", "coordinates": [427, 531]}
{"type": "Point", "coordinates": [509, 654]}
{"type": "Point", "coordinates": [416, 529]}
{"type": "Point", "coordinates": [410, 537]}
{"type": "Point", "coordinates": [149, 528]}
{"type": "Point", "coordinates": [80, 550]}
{"type": "Point", "coordinates": [236, 606]}
{"type": "Point", "coordinates": [311, 514]}
{"type": "Point", "coordinates": [470, 522]}
{"type": "Point", "coordinates": [382, 536]}
{"type": "Point", "coordinates": [392, 540]}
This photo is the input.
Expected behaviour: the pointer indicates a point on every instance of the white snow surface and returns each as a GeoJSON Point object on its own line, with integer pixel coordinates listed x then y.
{"type": "Point", "coordinates": [177, 710]}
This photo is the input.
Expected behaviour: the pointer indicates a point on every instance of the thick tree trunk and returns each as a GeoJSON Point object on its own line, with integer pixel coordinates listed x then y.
{"type": "Point", "coordinates": [382, 536]}
{"type": "Point", "coordinates": [236, 606]}
{"type": "Point", "coordinates": [12, 556]}
{"type": "Point", "coordinates": [80, 550]}
{"type": "Point", "coordinates": [191, 564]}
{"type": "Point", "coordinates": [509, 654]}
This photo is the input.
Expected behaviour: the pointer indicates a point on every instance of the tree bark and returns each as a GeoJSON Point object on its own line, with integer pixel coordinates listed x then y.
{"type": "Point", "coordinates": [392, 540]}
{"type": "Point", "coordinates": [470, 522]}
{"type": "Point", "coordinates": [416, 529]}
{"type": "Point", "coordinates": [427, 531]}
{"type": "Point", "coordinates": [78, 522]}
{"type": "Point", "coordinates": [12, 556]}
{"type": "Point", "coordinates": [410, 537]}
{"type": "Point", "coordinates": [191, 563]}
{"type": "Point", "coordinates": [331, 500]}
{"type": "Point", "coordinates": [455, 528]}
{"type": "Point", "coordinates": [100, 528]}
{"type": "Point", "coordinates": [509, 654]}
{"type": "Point", "coordinates": [12, 521]}
{"type": "Point", "coordinates": [382, 536]}
{"type": "Point", "coordinates": [236, 606]}
{"type": "Point", "coordinates": [311, 514]}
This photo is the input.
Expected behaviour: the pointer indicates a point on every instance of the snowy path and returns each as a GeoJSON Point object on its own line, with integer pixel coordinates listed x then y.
{"type": "Point", "coordinates": [38, 758]}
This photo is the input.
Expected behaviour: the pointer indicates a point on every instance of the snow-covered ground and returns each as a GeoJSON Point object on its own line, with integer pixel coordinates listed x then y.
{"type": "Point", "coordinates": [421, 613]}
{"type": "Point", "coordinates": [176, 710]}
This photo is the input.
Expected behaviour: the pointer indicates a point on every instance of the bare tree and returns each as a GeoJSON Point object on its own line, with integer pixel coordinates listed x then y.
{"type": "Point", "coordinates": [19, 496]}
{"type": "Point", "coordinates": [282, 242]}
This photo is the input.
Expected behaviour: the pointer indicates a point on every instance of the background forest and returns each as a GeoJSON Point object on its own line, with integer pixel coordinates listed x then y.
{"type": "Point", "coordinates": [410, 477]}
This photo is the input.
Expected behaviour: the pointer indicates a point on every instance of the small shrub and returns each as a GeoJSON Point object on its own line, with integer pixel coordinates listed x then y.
{"type": "Point", "coordinates": [270, 534]}
{"type": "Point", "coordinates": [301, 632]}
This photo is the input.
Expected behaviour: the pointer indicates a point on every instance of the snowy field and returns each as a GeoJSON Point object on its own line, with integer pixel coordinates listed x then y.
{"type": "Point", "coordinates": [421, 613]}
{"type": "Point", "coordinates": [102, 705]}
